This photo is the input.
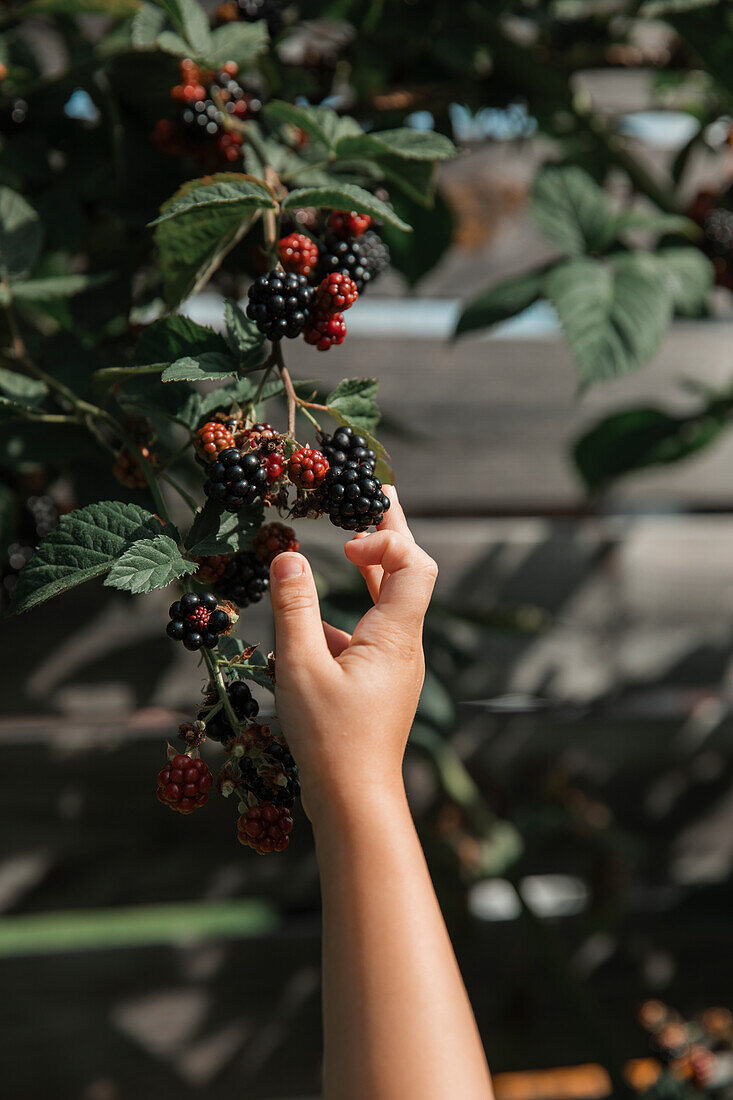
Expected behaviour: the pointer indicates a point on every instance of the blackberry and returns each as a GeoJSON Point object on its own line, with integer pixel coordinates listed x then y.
{"type": "Point", "coordinates": [718, 230]}
{"type": "Point", "coordinates": [258, 435]}
{"type": "Point", "coordinates": [347, 223]}
{"type": "Point", "coordinates": [346, 446]}
{"type": "Point", "coordinates": [218, 727]}
{"type": "Point", "coordinates": [274, 539]}
{"type": "Point", "coordinates": [197, 621]}
{"type": "Point", "coordinates": [275, 466]}
{"type": "Point", "coordinates": [325, 329]}
{"type": "Point", "coordinates": [279, 304]}
{"type": "Point", "coordinates": [266, 828]}
{"type": "Point", "coordinates": [128, 471]}
{"type": "Point", "coordinates": [307, 468]}
{"type": "Point", "coordinates": [374, 253]}
{"type": "Point", "coordinates": [245, 579]}
{"type": "Point", "coordinates": [336, 293]}
{"type": "Point", "coordinates": [235, 479]}
{"type": "Point", "coordinates": [184, 784]}
{"type": "Point", "coordinates": [213, 438]}
{"type": "Point", "coordinates": [352, 495]}
{"type": "Point", "coordinates": [345, 256]}
{"type": "Point", "coordinates": [298, 253]}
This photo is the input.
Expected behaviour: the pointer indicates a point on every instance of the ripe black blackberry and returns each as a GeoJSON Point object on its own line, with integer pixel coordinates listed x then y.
{"type": "Point", "coordinates": [218, 727]}
{"type": "Point", "coordinates": [200, 120]}
{"type": "Point", "coordinates": [346, 446]}
{"type": "Point", "coordinates": [235, 479]}
{"type": "Point", "coordinates": [245, 579]}
{"type": "Point", "coordinates": [374, 253]}
{"type": "Point", "coordinates": [264, 777]}
{"type": "Point", "coordinates": [352, 495]}
{"type": "Point", "coordinates": [279, 304]}
{"type": "Point", "coordinates": [197, 621]}
{"type": "Point", "coordinates": [718, 230]}
{"type": "Point", "coordinates": [345, 256]}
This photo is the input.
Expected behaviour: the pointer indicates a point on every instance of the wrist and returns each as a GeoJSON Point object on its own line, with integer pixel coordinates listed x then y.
{"type": "Point", "coordinates": [363, 810]}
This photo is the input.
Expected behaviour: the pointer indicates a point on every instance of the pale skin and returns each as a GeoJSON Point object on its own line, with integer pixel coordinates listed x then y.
{"type": "Point", "coordinates": [398, 1024]}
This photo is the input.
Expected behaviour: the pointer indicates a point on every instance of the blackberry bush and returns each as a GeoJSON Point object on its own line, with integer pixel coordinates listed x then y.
{"type": "Point", "coordinates": [207, 528]}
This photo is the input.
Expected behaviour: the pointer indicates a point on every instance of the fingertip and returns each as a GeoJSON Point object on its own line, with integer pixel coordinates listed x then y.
{"type": "Point", "coordinates": [287, 565]}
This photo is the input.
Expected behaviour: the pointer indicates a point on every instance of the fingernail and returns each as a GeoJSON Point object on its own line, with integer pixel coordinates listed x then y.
{"type": "Point", "coordinates": [286, 566]}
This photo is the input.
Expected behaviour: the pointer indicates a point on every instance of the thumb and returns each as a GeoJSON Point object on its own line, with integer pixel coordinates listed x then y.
{"type": "Point", "coordinates": [299, 637]}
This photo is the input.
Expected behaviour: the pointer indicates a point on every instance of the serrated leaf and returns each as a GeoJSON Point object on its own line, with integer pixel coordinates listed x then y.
{"type": "Point", "coordinates": [500, 301]}
{"type": "Point", "coordinates": [170, 42]}
{"type": "Point", "coordinates": [172, 337]}
{"type": "Point", "coordinates": [572, 211]}
{"type": "Point", "coordinates": [345, 196]}
{"type": "Point", "coordinates": [211, 365]}
{"type": "Point", "coordinates": [149, 564]}
{"type": "Point", "coordinates": [638, 438]}
{"type": "Point", "coordinates": [224, 189]}
{"type": "Point", "coordinates": [20, 234]}
{"type": "Point", "coordinates": [355, 398]}
{"type": "Point", "coordinates": [21, 390]}
{"type": "Point", "coordinates": [146, 26]}
{"type": "Point", "coordinates": [242, 334]}
{"type": "Point", "coordinates": [193, 243]}
{"type": "Point", "coordinates": [614, 315]}
{"type": "Point", "coordinates": [52, 287]}
{"type": "Point", "coordinates": [215, 531]}
{"type": "Point", "coordinates": [689, 277]}
{"type": "Point", "coordinates": [255, 668]}
{"type": "Point", "coordinates": [194, 23]}
{"type": "Point", "coordinates": [405, 143]}
{"type": "Point", "coordinates": [85, 545]}
{"type": "Point", "coordinates": [321, 123]}
{"type": "Point", "coordinates": [240, 42]}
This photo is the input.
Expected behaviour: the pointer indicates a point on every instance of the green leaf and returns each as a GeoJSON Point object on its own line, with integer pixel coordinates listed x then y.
{"type": "Point", "coordinates": [655, 221]}
{"type": "Point", "coordinates": [415, 178]}
{"type": "Point", "coordinates": [215, 531]}
{"type": "Point", "coordinates": [20, 234]}
{"type": "Point", "coordinates": [51, 287]}
{"type": "Point", "coordinates": [638, 438]}
{"type": "Point", "coordinates": [614, 315]}
{"type": "Point", "coordinates": [85, 544]}
{"type": "Point", "coordinates": [321, 123]}
{"type": "Point", "coordinates": [192, 244]}
{"type": "Point", "coordinates": [500, 301]}
{"type": "Point", "coordinates": [243, 336]}
{"type": "Point", "coordinates": [172, 43]}
{"type": "Point", "coordinates": [572, 211]}
{"type": "Point", "coordinates": [22, 391]}
{"type": "Point", "coordinates": [255, 668]}
{"type": "Point", "coordinates": [172, 337]}
{"type": "Point", "coordinates": [355, 399]}
{"type": "Point", "coordinates": [689, 277]}
{"type": "Point", "coordinates": [211, 365]}
{"type": "Point", "coordinates": [405, 143]}
{"type": "Point", "coordinates": [345, 196]}
{"type": "Point", "coordinates": [148, 564]}
{"type": "Point", "coordinates": [240, 42]}
{"type": "Point", "coordinates": [226, 189]}
{"type": "Point", "coordinates": [146, 26]}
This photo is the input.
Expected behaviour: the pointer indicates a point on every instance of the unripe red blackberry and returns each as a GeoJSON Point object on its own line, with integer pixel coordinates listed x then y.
{"type": "Point", "coordinates": [298, 253]}
{"type": "Point", "coordinates": [213, 438]}
{"type": "Point", "coordinates": [279, 304]}
{"type": "Point", "coordinates": [346, 446]}
{"type": "Point", "coordinates": [352, 495]}
{"type": "Point", "coordinates": [235, 479]}
{"type": "Point", "coordinates": [245, 579]}
{"type": "Point", "coordinates": [265, 828]}
{"type": "Point", "coordinates": [274, 539]}
{"type": "Point", "coordinates": [128, 470]}
{"type": "Point", "coordinates": [210, 569]}
{"type": "Point", "coordinates": [184, 784]}
{"type": "Point", "coordinates": [307, 468]}
{"type": "Point", "coordinates": [275, 466]}
{"type": "Point", "coordinates": [347, 223]}
{"type": "Point", "coordinates": [197, 621]}
{"type": "Point", "coordinates": [325, 329]}
{"type": "Point", "coordinates": [335, 293]}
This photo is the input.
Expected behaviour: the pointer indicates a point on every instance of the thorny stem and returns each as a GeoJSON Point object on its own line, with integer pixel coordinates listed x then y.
{"type": "Point", "coordinates": [218, 679]}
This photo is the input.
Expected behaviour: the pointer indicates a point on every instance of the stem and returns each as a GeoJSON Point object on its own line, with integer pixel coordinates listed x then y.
{"type": "Point", "coordinates": [288, 384]}
{"type": "Point", "coordinates": [218, 679]}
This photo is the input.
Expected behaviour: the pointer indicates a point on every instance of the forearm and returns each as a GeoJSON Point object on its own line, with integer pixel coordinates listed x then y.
{"type": "Point", "coordinates": [397, 1019]}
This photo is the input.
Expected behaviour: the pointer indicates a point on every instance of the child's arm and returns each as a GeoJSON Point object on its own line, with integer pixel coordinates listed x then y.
{"type": "Point", "coordinates": [398, 1024]}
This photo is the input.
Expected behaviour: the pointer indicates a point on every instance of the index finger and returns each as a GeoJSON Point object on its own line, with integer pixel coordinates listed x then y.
{"type": "Point", "coordinates": [410, 576]}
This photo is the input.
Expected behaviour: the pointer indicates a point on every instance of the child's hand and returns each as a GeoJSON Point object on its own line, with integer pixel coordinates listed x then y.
{"type": "Point", "coordinates": [346, 703]}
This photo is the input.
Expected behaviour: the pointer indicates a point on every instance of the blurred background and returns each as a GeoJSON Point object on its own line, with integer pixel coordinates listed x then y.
{"type": "Point", "coordinates": [556, 379]}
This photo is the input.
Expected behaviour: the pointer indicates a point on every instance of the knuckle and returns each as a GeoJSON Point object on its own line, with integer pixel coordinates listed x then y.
{"type": "Point", "coordinates": [296, 603]}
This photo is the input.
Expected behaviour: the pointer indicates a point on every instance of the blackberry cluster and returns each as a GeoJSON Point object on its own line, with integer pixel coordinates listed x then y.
{"type": "Point", "coordinates": [245, 579]}
{"type": "Point", "coordinates": [279, 304]}
{"type": "Point", "coordinates": [346, 446]}
{"type": "Point", "coordinates": [264, 779]}
{"type": "Point", "coordinates": [236, 479]}
{"type": "Point", "coordinates": [352, 496]}
{"type": "Point", "coordinates": [219, 728]}
{"type": "Point", "coordinates": [204, 98]}
{"type": "Point", "coordinates": [265, 828]}
{"type": "Point", "coordinates": [184, 784]}
{"type": "Point", "coordinates": [197, 621]}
